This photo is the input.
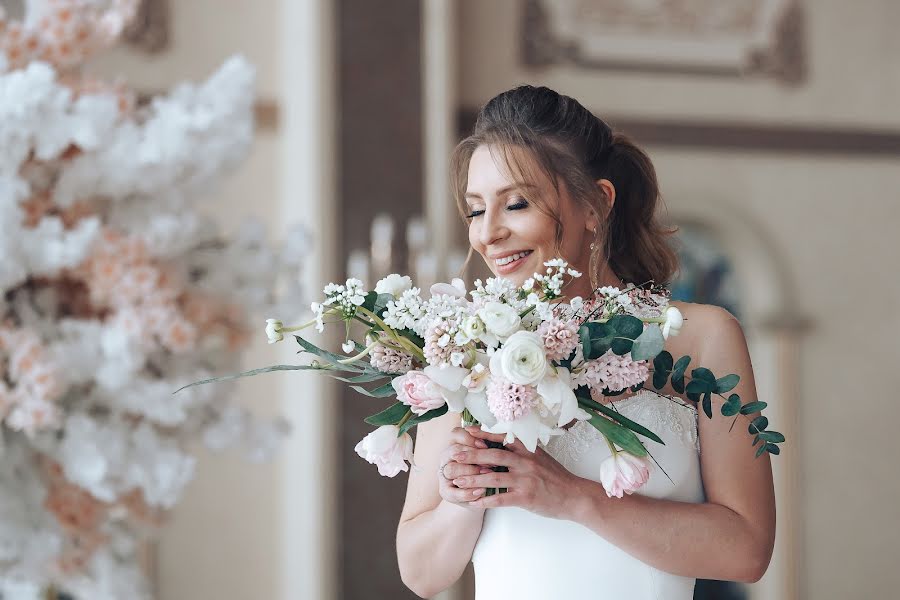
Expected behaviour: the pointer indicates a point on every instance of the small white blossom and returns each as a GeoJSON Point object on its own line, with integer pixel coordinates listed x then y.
{"type": "Point", "coordinates": [273, 330]}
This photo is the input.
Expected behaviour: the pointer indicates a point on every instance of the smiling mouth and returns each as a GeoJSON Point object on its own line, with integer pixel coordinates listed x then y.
{"type": "Point", "coordinates": [510, 262]}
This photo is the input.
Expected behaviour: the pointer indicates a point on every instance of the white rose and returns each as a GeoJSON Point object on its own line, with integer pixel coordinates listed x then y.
{"type": "Point", "coordinates": [500, 319]}
{"type": "Point", "coordinates": [522, 359]}
{"type": "Point", "coordinates": [273, 330]}
{"type": "Point", "coordinates": [674, 321]}
{"type": "Point", "coordinates": [385, 449]}
{"type": "Point", "coordinates": [394, 285]}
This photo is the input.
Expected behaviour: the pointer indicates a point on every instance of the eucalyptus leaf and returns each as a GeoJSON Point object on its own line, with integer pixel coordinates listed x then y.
{"type": "Point", "coordinates": [627, 326]}
{"type": "Point", "coordinates": [758, 425]}
{"type": "Point", "coordinates": [771, 436]}
{"type": "Point", "coordinates": [732, 406]}
{"type": "Point", "coordinates": [389, 416]}
{"type": "Point", "coordinates": [704, 374]}
{"type": "Point", "coordinates": [698, 386]}
{"type": "Point", "coordinates": [678, 373]}
{"type": "Point", "coordinates": [617, 434]}
{"type": "Point", "coordinates": [707, 404]}
{"type": "Point", "coordinates": [662, 367]}
{"type": "Point", "coordinates": [727, 383]}
{"type": "Point", "coordinates": [621, 346]}
{"type": "Point", "coordinates": [760, 450]}
{"type": "Point", "coordinates": [773, 449]}
{"type": "Point", "coordinates": [752, 407]}
{"type": "Point", "coordinates": [649, 344]}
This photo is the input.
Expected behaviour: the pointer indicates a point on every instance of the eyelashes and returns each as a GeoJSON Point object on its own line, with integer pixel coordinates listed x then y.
{"type": "Point", "coordinates": [517, 206]}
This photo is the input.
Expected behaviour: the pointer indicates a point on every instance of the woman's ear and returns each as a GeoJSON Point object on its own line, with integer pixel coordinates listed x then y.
{"type": "Point", "coordinates": [609, 193]}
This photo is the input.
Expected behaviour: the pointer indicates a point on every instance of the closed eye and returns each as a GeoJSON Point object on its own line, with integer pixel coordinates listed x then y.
{"type": "Point", "coordinates": [519, 205]}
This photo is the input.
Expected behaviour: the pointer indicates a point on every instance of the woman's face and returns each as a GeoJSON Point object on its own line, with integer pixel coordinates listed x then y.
{"type": "Point", "coordinates": [505, 223]}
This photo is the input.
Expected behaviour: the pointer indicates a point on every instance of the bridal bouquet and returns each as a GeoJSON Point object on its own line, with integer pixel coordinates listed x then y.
{"type": "Point", "coordinates": [515, 360]}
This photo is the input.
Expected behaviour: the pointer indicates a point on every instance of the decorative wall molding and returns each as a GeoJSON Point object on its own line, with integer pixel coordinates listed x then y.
{"type": "Point", "coordinates": [711, 37]}
{"type": "Point", "coordinates": [737, 135]}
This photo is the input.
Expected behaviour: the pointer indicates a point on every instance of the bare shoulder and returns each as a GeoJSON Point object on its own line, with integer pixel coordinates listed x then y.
{"type": "Point", "coordinates": [704, 327]}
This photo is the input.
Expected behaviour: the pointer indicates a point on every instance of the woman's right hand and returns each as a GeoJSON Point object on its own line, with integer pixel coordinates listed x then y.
{"type": "Point", "coordinates": [460, 440]}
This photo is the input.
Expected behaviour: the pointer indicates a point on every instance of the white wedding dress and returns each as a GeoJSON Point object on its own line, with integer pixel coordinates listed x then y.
{"type": "Point", "coordinates": [525, 556]}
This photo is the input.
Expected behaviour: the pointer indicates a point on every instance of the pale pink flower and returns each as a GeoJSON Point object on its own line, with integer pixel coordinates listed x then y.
{"type": "Point", "coordinates": [612, 372]}
{"type": "Point", "coordinates": [560, 338]}
{"type": "Point", "coordinates": [439, 347]}
{"type": "Point", "coordinates": [385, 449]}
{"type": "Point", "coordinates": [623, 473]}
{"type": "Point", "coordinates": [509, 401]}
{"type": "Point", "coordinates": [416, 390]}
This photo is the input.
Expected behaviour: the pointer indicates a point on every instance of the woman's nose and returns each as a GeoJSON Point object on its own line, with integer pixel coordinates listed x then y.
{"type": "Point", "coordinates": [493, 228]}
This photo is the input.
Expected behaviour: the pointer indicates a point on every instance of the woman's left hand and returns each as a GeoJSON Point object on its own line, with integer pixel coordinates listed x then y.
{"type": "Point", "coordinates": [535, 481]}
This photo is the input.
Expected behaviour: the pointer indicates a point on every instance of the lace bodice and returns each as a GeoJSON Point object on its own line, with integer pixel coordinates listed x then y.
{"type": "Point", "coordinates": [525, 556]}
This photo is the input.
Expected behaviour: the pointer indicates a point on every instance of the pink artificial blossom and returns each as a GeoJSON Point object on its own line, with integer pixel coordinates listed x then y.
{"type": "Point", "coordinates": [623, 473]}
{"type": "Point", "coordinates": [387, 450]}
{"type": "Point", "coordinates": [508, 401]}
{"type": "Point", "coordinates": [560, 338]}
{"type": "Point", "coordinates": [390, 360]}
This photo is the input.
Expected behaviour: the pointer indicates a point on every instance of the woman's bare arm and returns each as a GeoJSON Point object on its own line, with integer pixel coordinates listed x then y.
{"type": "Point", "coordinates": [436, 537]}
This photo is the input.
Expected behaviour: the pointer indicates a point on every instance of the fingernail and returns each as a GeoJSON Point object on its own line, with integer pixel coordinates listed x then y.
{"type": "Point", "coordinates": [459, 456]}
{"type": "Point", "coordinates": [485, 471]}
{"type": "Point", "coordinates": [480, 444]}
{"type": "Point", "coordinates": [478, 492]}
{"type": "Point", "coordinates": [459, 481]}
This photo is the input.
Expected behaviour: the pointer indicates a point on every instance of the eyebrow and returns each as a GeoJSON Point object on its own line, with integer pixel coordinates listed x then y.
{"type": "Point", "coordinates": [500, 192]}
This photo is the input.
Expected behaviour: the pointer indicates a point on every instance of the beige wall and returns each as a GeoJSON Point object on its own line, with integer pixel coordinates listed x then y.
{"type": "Point", "coordinates": [832, 221]}
{"type": "Point", "coordinates": [225, 538]}
{"type": "Point", "coordinates": [852, 72]}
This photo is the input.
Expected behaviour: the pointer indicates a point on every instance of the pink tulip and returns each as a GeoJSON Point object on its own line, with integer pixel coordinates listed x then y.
{"type": "Point", "coordinates": [416, 390]}
{"type": "Point", "coordinates": [623, 472]}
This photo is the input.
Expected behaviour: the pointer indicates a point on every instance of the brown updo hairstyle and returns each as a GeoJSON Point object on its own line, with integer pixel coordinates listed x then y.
{"type": "Point", "coordinates": [573, 147]}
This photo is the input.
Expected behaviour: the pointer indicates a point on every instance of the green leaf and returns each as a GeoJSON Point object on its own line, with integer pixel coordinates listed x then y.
{"type": "Point", "coordinates": [727, 383]}
{"type": "Point", "coordinates": [617, 434]}
{"type": "Point", "coordinates": [381, 304]}
{"type": "Point", "coordinates": [662, 366]}
{"type": "Point", "coordinates": [584, 333]}
{"type": "Point", "coordinates": [649, 344]}
{"type": "Point", "coordinates": [329, 357]}
{"type": "Point", "coordinates": [600, 336]}
{"type": "Point", "coordinates": [707, 404]}
{"type": "Point", "coordinates": [364, 378]}
{"type": "Point", "coordinates": [752, 407]}
{"type": "Point", "coordinates": [250, 374]}
{"type": "Point", "coordinates": [756, 440]}
{"type": "Point", "coordinates": [771, 436]}
{"type": "Point", "coordinates": [389, 416]}
{"type": "Point", "coordinates": [383, 391]}
{"type": "Point", "coordinates": [698, 386]}
{"type": "Point", "coordinates": [411, 336]}
{"type": "Point", "coordinates": [621, 346]}
{"type": "Point", "coordinates": [369, 301]}
{"type": "Point", "coordinates": [678, 373]}
{"type": "Point", "coordinates": [773, 449]}
{"type": "Point", "coordinates": [431, 414]}
{"type": "Point", "coordinates": [760, 450]}
{"type": "Point", "coordinates": [704, 374]}
{"type": "Point", "coordinates": [627, 326]}
{"type": "Point", "coordinates": [626, 422]}
{"type": "Point", "coordinates": [758, 425]}
{"type": "Point", "coordinates": [732, 406]}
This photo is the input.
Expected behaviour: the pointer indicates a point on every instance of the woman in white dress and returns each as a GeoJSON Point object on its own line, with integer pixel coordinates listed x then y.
{"type": "Point", "coordinates": [542, 177]}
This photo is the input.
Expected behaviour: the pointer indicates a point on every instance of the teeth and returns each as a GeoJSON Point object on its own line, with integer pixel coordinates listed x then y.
{"type": "Point", "coordinates": [506, 260]}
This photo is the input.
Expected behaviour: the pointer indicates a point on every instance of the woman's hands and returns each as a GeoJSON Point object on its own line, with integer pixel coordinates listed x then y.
{"type": "Point", "coordinates": [461, 440]}
{"type": "Point", "coordinates": [535, 481]}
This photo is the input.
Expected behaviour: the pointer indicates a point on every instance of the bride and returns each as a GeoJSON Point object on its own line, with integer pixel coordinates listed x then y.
{"type": "Point", "coordinates": [542, 177]}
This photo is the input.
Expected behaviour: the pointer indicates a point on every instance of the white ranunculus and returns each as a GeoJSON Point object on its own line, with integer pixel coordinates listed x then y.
{"type": "Point", "coordinates": [273, 330]}
{"type": "Point", "coordinates": [674, 321]}
{"type": "Point", "coordinates": [473, 327]}
{"type": "Point", "coordinates": [500, 319]}
{"type": "Point", "coordinates": [394, 285]}
{"type": "Point", "coordinates": [522, 359]}
{"type": "Point", "coordinates": [385, 449]}
{"type": "Point", "coordinates": [556, 391]}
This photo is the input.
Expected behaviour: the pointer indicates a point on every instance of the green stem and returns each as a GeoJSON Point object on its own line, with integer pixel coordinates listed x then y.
{"type": "Point", "coordinates": [405, 418]}
{"type": "Point", "coordinates": [353, 359]}
{"type": "Point", "coordinates": [612, 447]}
